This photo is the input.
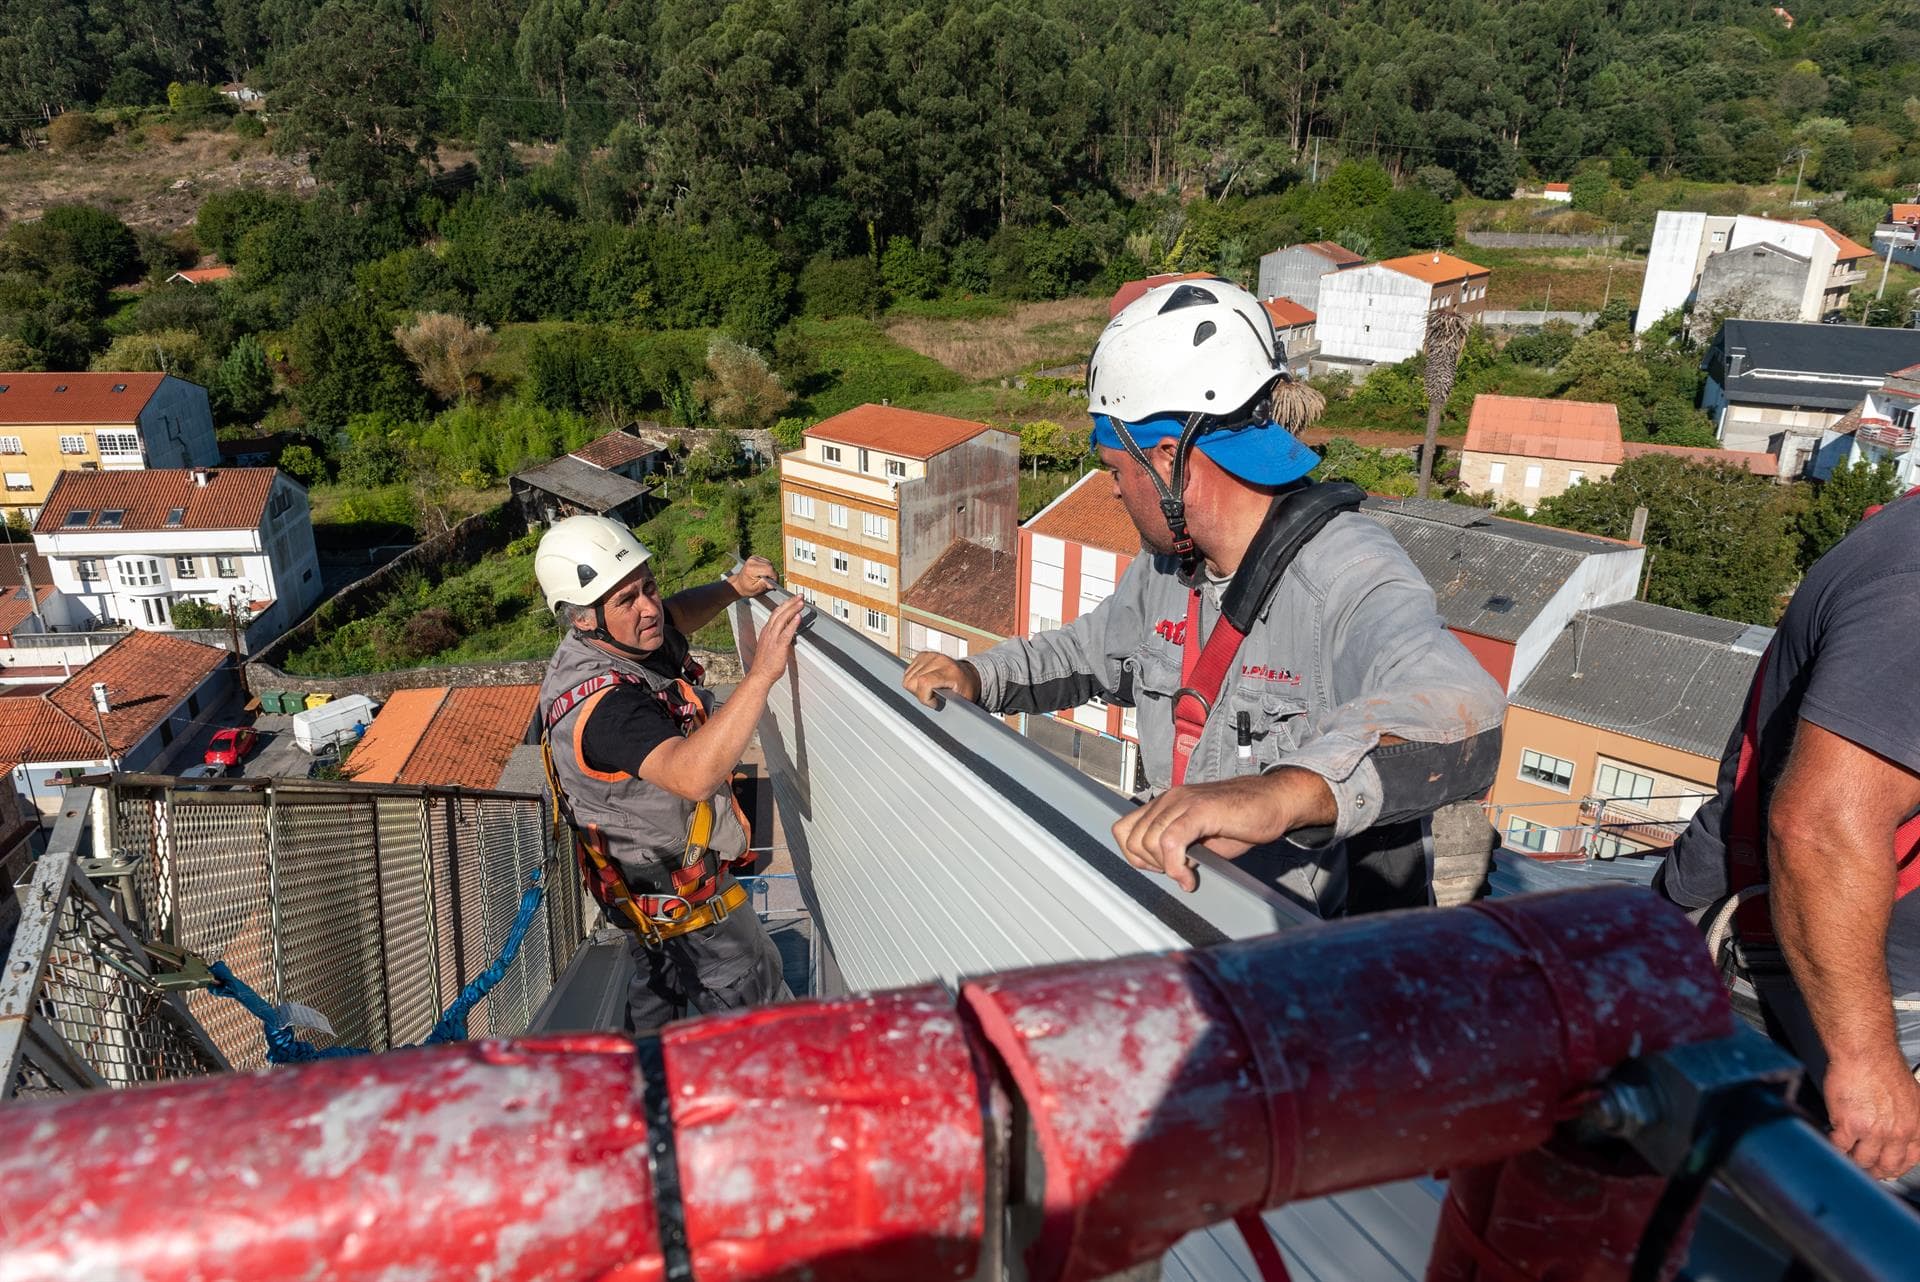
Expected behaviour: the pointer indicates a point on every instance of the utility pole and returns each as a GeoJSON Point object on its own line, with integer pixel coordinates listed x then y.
{"type": "Point", "coordinates": [1801, 154]}
{"type": "Point", "coordinates": [1547, 311]}
{"type": "Point", "coordinates": [1316, 159]}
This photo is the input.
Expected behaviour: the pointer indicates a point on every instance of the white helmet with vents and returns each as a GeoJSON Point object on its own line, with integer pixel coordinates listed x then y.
{"type": "Point", "coordinates": [1187, 347]}
{"type": "Point", "coordinates": [583, 558]}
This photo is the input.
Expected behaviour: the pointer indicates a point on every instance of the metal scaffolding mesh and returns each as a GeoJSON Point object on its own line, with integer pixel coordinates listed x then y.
{"type": "Point", "coordinates": [372, 906]}
{"type": "Point", "coordinates": [87, 1015]}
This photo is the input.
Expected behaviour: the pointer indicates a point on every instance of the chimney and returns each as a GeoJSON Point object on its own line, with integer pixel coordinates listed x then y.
{"type": "Point", "coordinates": [201, 476]}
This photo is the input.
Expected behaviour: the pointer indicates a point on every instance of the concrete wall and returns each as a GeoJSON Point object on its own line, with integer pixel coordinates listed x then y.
{"type": "Point", "coordinates": [1534, 320]}
{"type": "Point", "coordinates": [1809, 243]}
{"type": "Point", "coordinates": [176, 427]}
{"type": "Point", "coordinates": [1673, 262]}
{"type": "Point", "coordinates": [1538, 240]}
{"type": "Point", "coordinates": [1754, 283]}
{"type": "Point", "coordinates": [1605, 579]}
{"type": "Point", "coordinates": [1293, 273]}
{"type": "Point", "coordinates": [1373, 313]}
{"type": "Point", "coordinates": [971, 492]}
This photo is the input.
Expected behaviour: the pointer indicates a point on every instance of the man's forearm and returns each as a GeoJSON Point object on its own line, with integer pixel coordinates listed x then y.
{"type": "Point", "coordinates": [698, 766]}
{"type": "Point", "coordinates": [1831, 900]}
{"type": "Point", "coordinates": [694, 608]}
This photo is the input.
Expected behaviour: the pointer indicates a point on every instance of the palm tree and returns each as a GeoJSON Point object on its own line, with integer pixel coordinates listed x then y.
{"type": "Point", "coordinates": [1446, 339]}
{"type": "Point", "coordinates": [1296, 406]}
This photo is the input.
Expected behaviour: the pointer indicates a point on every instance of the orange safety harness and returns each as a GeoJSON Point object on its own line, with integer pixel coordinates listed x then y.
{"type": "Point", "coordinates": [1747, 831]}
{"type": "Point", "coordinates": [692, 905]}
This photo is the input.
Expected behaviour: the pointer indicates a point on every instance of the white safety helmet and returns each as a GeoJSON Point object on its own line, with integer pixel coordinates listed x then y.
{"type": "Point", "coordinates": [583, 558]}
{"type": "Point", "coordinates": [1186, 347]}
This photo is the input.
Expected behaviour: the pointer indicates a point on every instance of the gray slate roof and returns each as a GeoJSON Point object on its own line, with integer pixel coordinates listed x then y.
{"type": "Point", "coordinates": [1664, 676]}
{"type": "Point", "coordinates": [590, 487]}
{"type": "Point", "coordinates": [1491, 576]}
{"type": "Point", "coordinates": [1827, 353]}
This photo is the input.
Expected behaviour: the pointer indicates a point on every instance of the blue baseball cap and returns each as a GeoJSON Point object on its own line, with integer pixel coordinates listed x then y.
{"type": "Point", "coordinates": [1258, 453]}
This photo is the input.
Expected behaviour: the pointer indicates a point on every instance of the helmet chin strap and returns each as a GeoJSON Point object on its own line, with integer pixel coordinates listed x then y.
{"type": "Point", "coordinates": [1173, 503]}
{"type": "Point", "coordinates": [598, 632]}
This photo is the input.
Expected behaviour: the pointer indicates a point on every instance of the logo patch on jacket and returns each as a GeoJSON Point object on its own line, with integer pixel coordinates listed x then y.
{"type": "Point", "coordinates": [1284, 676]}
{"type": "Point", "coordinates": [1174, 631]}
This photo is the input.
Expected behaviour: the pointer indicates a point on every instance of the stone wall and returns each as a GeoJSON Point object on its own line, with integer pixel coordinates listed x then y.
{"type": "Point", "coordinates": [1524, 319]}
{"type": "Point", "coordinates": [464, 544]}
{"type": "Point", "coordinates": [1538, 240]}
{"type": "Point", "coordinates": [722, 669]}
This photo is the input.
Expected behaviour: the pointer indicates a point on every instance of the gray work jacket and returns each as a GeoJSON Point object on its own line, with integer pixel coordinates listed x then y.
{"type": "Point", "coordinates": [1350, 648]}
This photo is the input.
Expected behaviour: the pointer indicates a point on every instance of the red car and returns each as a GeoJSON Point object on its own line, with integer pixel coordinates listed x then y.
{"type": "Point", "coordinates": [230, 746]}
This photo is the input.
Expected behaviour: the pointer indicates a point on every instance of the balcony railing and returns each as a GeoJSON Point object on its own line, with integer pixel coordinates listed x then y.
{"type": "Point", "coordinates": [1885, 434]}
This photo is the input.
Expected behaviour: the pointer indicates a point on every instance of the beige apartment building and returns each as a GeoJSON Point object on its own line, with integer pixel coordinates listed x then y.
{"type": "Point", "coordinates": [83, 422]}
{"type": "Point", "coordinates": [874, 496]}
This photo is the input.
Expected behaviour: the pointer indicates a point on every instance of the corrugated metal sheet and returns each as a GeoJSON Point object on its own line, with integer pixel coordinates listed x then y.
{"type": "Point", "coordinates": [932, 845]}
{"type": "Point", "coordinates": [1646, 677]}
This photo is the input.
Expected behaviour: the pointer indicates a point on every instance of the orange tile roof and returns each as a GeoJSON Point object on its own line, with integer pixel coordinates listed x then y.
{"type": "Point", "coordinates": [1336, 253]}
{"type": "Point", "coordinates": [473, 734]}
{"type": "Point", "coordinates": [1576, 431]}
{"type": "Point", "coordinates": [1286, 313]}
{"type": "Point", "coordinates": [1758, 462]}
{"type": "Point", "coordinates": [1904, 212]}
{"type": "Point", "coordinates": [383, 750]}
{"type": "Point", "coordinates": [459, 736]}
{"type": "Point", "coordinates": [202, 275]}
{"type": "Point", "coordinates": [1559, 187]}
{"type": "Point", "coordinates": [1435, 268]}
{"type": "Point", "coordinates": [33, 728]}
{"type": "Point", "coordinates": [1092, 514]}
{"type": "Point", "coordinates": [1134, 288]}
{"type": "Point", "coordinates": [897, 431]}
{"type": "Point", "coordinates": [27, 399]}
{"type": "Point", "coordinates": [16, 608]}
{"type": "Point", "coordinates": [234, 498]}
{"type": "Point", "coordinates": [1848, 249]}
{"type": "Point", "coordinates": [613, 449]}
{"type": "Point", "coordinates": [147, 676]}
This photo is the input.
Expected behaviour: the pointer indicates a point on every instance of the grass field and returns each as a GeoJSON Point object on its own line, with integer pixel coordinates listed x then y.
{"type": "Point", "coordinates": [1020, 338]}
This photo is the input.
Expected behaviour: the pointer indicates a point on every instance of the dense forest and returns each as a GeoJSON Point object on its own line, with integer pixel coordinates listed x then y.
{"type": "Point", "coordinates": [838, 125]}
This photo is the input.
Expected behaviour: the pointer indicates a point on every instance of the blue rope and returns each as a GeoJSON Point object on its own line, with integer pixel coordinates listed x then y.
{"type": "Point", "coordinates": [284, 1047]}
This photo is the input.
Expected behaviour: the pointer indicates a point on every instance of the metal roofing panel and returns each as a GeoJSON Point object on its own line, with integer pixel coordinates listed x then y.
{"type": "Point", "coordinates": [1639, 677]}
{"type": "Point", "coordinates": [916, 832]}
{"type": "Point", "coordinates": [582, 483]}
{"type": "Point", "coordinates": [1486, 580]}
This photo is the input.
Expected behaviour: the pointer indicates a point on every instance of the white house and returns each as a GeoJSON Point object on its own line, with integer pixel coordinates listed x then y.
{"type": "Point", "coordinates": [1378, 313]}
{"type": "Point", "coordinates": [1884, 430]}
{"type": "Point", "coordinates": [1684, 240]}
{"type": "Point", "coordinates": [128, 545]}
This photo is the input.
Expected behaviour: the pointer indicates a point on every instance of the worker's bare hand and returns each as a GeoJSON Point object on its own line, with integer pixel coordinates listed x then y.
{"type": "Point", "coordinates": [1874, 1109]}
{"type": "Point", "coordinates": [931, 671]}
{"type": "Point", "coordinates": [774, 645]}
{"type": "Point", "coordinates": [1228, 816]}
{"type": "Point", "coordinates": [754, 576]}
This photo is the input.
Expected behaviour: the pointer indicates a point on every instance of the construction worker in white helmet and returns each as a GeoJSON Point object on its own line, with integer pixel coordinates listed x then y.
{"type": "Point", "coordinates": [1301, 705]}
{"type": "Point", "coordinates": [640, 762]}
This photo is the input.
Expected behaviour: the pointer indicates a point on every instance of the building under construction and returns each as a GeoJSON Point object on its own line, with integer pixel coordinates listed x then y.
{"type": "Point", "coordinates": [1024, 1059]}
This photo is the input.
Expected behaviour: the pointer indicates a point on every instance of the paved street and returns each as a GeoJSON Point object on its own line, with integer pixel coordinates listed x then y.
{"type": "Point", "coordinates": [276, 757]}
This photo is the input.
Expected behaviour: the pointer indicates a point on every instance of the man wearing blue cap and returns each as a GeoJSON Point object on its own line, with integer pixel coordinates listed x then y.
{"type": "Point", "coordinates": [1301, 705]}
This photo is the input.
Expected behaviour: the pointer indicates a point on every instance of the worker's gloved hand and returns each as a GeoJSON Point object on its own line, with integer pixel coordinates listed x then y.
{"type": "Point", "coordinates": [1873, 1106]}
{"type": "Point", "coordinates": [774, 645]}
{"type": "Point", "coordinates": [754, 576]}
{"type": "Point", "coordinates": [1228, 816]}
{"type": "Point", "coordinates": [931, 671]}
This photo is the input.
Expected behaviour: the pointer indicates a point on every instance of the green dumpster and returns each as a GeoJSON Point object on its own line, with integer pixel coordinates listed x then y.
{"type": "Point", "coordinates": [277, 700]}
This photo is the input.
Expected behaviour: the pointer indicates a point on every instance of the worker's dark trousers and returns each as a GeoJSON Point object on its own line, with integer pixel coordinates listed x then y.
{"type": "Point", "coordinates": [724, 967]}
